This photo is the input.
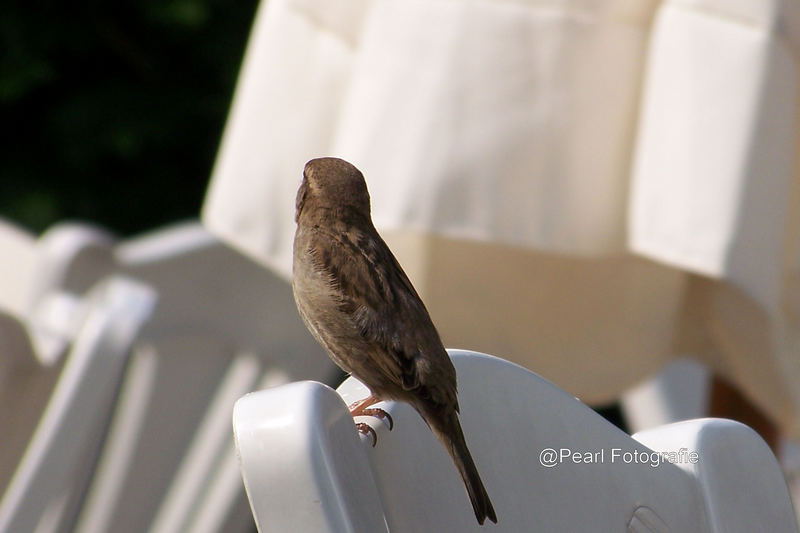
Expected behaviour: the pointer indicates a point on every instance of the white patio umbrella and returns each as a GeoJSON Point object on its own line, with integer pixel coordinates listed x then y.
{"type": "Point", "coordinates": [587, 188]}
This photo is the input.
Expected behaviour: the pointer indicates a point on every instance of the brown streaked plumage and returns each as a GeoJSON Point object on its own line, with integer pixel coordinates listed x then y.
{"type": "Point", "coordinates": [359, 304]}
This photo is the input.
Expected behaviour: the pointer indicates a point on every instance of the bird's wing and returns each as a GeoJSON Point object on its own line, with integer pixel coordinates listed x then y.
{"type": "Point", "coordinates": [383, 305]}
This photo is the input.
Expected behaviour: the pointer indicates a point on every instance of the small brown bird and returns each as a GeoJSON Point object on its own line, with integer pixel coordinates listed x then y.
{"type": "Point", "coordinates": [359, 304]}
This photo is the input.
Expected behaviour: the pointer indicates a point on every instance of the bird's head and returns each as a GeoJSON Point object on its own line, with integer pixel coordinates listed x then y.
{"type": "Point", "coordinates": [334, 187]}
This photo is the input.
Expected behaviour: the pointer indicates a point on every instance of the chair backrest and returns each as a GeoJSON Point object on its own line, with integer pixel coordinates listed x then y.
{"type": "Point", "coordinates": [548, 462]}
{"type": "Point", "coordinates": [224, 326]}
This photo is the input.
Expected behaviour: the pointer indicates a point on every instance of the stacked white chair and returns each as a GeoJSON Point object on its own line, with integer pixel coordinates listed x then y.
{"type": "Point", "coordinates": [38, 322]}
{"type": "Point", "coordinates": [91, 335]}
{"type": "Point", "coordinates": [136, 435]}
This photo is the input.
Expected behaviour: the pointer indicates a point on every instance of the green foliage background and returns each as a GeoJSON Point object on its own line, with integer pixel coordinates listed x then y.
{"type": "Point", "coordinates": [112, 113]}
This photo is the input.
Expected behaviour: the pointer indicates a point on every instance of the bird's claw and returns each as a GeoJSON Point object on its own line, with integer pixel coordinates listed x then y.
{"type": "Point", "coordinates": [379, 414]}
{"type": "Point", "coordinates": [365, 429]}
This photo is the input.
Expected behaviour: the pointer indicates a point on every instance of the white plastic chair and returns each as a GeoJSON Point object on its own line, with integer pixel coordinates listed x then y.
{"type": "Point", "coordinates": [223, 326]}
{"type": "Point", "coordinates": [306, 469]}
{"type": "Point", "coordinates": [164, 460]}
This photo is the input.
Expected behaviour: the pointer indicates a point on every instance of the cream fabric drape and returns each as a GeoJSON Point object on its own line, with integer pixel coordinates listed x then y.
{"type": "Point", "coordinates": [584, 187]}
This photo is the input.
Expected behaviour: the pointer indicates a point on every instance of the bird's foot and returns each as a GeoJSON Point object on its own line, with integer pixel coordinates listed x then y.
{"type": "Point", "coordinates": [365, 429]}
{"type": "Point", "coordinates": [355, 408]}
{"type": "Point", "coordinates": [364, 408]}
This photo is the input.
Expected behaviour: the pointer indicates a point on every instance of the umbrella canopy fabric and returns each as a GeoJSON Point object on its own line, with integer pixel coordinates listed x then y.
{"type": "Point", "coordinates": [586, 188]}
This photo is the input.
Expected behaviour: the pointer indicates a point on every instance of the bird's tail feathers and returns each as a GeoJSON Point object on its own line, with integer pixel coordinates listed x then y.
{"type": "Point", "coordinates": [452, 436]}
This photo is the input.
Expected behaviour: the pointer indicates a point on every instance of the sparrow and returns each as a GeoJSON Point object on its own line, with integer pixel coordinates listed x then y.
{"type": "Point", "coordinates": [358, 303]}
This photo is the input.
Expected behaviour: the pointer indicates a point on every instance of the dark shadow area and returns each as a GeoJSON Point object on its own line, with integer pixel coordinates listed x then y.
{"type": "Point", "coordinates": [112, 113]}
